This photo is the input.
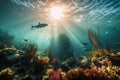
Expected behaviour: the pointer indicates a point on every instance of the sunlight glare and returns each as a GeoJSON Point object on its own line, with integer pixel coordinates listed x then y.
{"type": "Point", "coordinates": [57, 12]}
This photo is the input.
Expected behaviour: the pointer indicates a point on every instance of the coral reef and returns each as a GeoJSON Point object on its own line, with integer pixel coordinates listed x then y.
{"type": "Point", "coordinates": [27, 64]}
{"type": "Point", "coordinates": [103, 57]}
{"type": "Point", "coordinates": [85, 74]}
{"type": "Point", "coordinates": [56, 75]}
{"type": "Point", "coordinates": [112, 72]}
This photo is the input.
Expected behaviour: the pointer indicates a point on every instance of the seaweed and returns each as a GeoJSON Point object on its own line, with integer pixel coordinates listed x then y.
{"type": "Point", "coordinates": [94, 38]}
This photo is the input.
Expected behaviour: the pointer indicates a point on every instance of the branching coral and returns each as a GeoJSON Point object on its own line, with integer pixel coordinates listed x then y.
{"type": "Point", "coordinates": [112, 72]}
{"type": "Point", "coordinates": [103, 57]}
{"type": "Point", "coordinates": [99, 57]}
{"type": "Point", "coordinates": [96, 53]}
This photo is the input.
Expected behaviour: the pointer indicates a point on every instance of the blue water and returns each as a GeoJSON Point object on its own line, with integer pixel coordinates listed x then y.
{"type": "Point", "coordinates": [17, 16]}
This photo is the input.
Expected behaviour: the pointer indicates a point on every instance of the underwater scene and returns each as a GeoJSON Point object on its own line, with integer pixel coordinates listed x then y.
{"type": "Point", "coordinates": [59, 39]}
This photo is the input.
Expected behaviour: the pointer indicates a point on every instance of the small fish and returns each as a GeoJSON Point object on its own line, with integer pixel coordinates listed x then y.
{"type": "Point", "coordinates": [84, 43]}
{"type": "Point", "coordinates": [25, 40]}
{"type": "Point", "coordinates": [85, 49]}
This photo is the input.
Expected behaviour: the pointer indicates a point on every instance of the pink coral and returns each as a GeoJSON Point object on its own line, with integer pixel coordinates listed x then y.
{"type": "Point", "coordinates": [95, 74]}
{"type": "Point", "coordinates": [56, 75]}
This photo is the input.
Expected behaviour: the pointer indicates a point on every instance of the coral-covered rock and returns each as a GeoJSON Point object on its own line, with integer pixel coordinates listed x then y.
{"type": "Point", "coordinates": [56, 75]}
{"type": "Point", "coordinates": [85, 74]}
{"type": "Point", "coordinates": [95, 74]}
{"type": "Point", "coordinates": [75, 74]}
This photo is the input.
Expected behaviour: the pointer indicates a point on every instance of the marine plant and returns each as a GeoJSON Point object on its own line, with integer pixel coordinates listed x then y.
{"type": "Point", "coordinates": [31, 49]}
{"type": "Point", "coordinates": [94, 38]}
{"type": "Point", "coordinates": [30, 52]}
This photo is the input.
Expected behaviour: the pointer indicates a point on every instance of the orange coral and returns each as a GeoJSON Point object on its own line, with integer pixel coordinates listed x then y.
{"type": "Point", "coordinates": [44, 60]}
